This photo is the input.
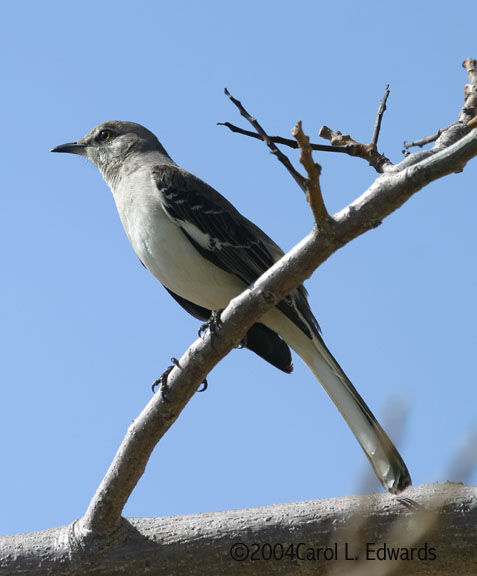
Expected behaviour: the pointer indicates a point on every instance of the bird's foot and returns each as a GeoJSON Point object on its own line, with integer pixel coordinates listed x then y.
{"type": "Point", "coordinates": [213, 324]}
{"type": "Point", "coordinates": [162, 380]}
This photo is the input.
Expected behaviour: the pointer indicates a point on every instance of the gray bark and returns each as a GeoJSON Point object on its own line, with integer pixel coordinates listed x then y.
{"type": "Point", "coordinates": [435, 524]}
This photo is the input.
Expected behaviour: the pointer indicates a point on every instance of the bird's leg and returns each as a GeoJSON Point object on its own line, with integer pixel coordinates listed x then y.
{"type": "Point", "coordinates": [162, 380]}
{"type": "Point", "coordinates": [213, 324]}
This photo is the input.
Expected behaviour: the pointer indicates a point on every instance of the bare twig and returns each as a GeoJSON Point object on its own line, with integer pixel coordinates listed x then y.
{"type": "Point", "coordinates": [379, 117]}
{"type": "Point", "coordinates": [366, 151]}
{"type": "Point", "coordinates": [313, 195]}
{"type": "Point", "coordinates": [369, 151]}
{"type": "Point", "coordinates": [285, 141]}
{"type": "Point", "coordinates": [426, 140]}
{"type": "Point", "coordinates": [339, 142]}
{"type": "Point", "coordinates": [343, 145]}
{"type": "Point", "coordinates": [299, 179]}
{"type": "Point", "coordinates": [310, 185]}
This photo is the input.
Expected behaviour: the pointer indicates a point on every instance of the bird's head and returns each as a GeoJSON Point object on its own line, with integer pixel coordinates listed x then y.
{"type": "Point", "coordinates": [110, 144]}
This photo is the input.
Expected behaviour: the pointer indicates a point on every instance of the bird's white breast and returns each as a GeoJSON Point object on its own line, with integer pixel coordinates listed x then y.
{"type": "Point", "coordinates": [164, 249]}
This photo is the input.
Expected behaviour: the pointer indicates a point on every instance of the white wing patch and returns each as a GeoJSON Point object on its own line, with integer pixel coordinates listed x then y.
{"type": "Point", "coordinates": [203, 239]}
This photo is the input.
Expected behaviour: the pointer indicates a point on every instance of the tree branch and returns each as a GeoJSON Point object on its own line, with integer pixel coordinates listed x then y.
{"type": "Point", "coordinates": [438, 521]}
{"type": "Point", "coordinates": [339, 142]}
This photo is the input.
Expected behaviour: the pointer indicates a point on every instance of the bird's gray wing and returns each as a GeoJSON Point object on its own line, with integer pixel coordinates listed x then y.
{"type": "Point", "coordinates": [224, 237]}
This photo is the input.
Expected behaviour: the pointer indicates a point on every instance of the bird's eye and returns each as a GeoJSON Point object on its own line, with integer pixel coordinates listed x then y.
{"type": "Point", "coordinates": [104, 135]}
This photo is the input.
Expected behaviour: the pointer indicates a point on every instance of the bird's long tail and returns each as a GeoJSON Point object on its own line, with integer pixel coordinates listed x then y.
{"type": "Point", "coordinates": [381, 452]}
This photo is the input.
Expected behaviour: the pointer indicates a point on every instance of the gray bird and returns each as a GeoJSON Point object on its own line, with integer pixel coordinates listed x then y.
{"type": "Point", "coordinates": [205, 253]}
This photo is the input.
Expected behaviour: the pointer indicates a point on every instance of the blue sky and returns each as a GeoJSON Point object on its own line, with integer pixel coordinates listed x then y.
{"type": "Point", "coordinates": [85, 329]}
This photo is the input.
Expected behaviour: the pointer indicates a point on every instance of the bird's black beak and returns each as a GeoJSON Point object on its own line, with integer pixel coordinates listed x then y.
{"type": "Point", "coordinates": [70, 147]}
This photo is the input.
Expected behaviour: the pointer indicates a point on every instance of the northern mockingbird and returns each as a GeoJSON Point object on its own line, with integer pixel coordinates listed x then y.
{"type": "Point", "coordinates": [205, 253]}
